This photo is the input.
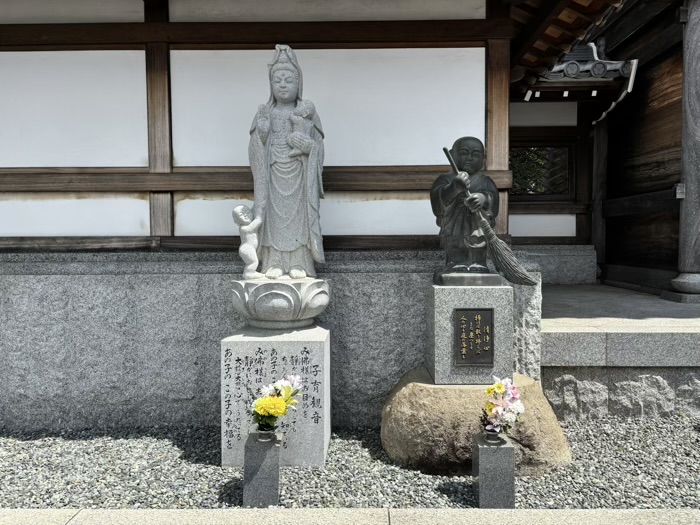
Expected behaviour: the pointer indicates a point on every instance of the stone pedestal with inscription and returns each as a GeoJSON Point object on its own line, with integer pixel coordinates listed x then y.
{"type": "Point", "coordinates": [254, 357]}
{"type": "Point", "coordinates": [471, 331]}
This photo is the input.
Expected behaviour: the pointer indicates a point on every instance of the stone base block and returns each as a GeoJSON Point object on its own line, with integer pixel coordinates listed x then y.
{"type": "Point", "coordinates": [493, 466]}
{"type": "Point", "coordinates": [443, 336]}
{"type": "Point", "coordinates": [680, 297]}
{"type": "Point", "coordinates": [253, 358]}
{"type": "Point", "coordinates": [429, 427]}
{"type": "Point", "coordinates": [261, 472]}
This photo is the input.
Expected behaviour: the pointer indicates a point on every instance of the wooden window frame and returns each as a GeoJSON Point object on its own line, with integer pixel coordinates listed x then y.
{"type": "Point", "coordinates": [157, 37]}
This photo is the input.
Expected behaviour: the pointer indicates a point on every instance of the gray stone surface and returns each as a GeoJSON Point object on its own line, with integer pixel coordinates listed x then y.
{"type": "Point", "coordinates": [443, 300]}
{"type": "Point", "coordinates": [648, 396]}
{"type": "Point", "coordinates": [679, 297]}
{"type": "Point", "coordinates": [280, 303]}
{"type": "Point", "coordinates": [574, 398]}
{"type": "Point", "coordinates": [430, 427]}
{"type": "Point", "coordinates": [606, 326]}
{"type": "Point", "coordinates": [252, 358]}
{"type": "Point", "coordinates": [287, 199]}
{"type": "Point", "coordinates": [261, 472]}
{"type": "Point", "coordinates": [584, 348]}
{"type": "Point", "coordinates": [494, 468]}
{"type": "Point", "coordinates": [596, 392]}
{"type": "Point", "coordinates": [562, 264]}
{"type": "Point", "coordinates": [527, 336]}
{"type": "Point", "coordinates": [37, 517]}
{"type": "Point", "coordinates": [543, 517]}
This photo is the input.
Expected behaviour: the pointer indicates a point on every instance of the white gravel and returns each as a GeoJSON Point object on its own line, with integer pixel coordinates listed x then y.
{"type": "Point", "coordinates": [617, 464]}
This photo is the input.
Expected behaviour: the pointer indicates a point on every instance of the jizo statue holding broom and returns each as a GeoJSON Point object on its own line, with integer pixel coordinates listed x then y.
{"type": "Point", "coordinates": [466, 203]}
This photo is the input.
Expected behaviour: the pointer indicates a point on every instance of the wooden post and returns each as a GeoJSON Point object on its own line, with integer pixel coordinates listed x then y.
{"type": "Point", "coordinates": [159, 132]}
{"type": "Point", "coordinates": [600, 165]}
{"type": "Point", "coordinates": [688, 281]}
{"type": "Point", "coordinates": [497, 117]}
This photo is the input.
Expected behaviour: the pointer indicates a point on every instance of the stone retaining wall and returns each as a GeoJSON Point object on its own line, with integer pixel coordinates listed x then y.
{"type": "Point", "coordinates": [133, 339]}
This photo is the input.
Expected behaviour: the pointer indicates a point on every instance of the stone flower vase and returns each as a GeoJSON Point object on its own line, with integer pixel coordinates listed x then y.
{"type": "Point", "coordinates": [493, 438]}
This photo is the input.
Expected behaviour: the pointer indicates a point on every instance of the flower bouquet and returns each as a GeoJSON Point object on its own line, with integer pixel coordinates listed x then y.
{"type": "Point", "coordinates": [275, 400]}
{"type": "Point", "coordinates": [503, 408]}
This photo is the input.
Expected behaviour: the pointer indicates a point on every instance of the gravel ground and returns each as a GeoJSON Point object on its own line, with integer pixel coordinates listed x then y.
{"type": "Point", "coordinates": [617, 464]}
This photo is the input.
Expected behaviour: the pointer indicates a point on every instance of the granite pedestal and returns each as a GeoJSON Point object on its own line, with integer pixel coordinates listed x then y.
{"type": "Point", "coordinates": [261, 472]}
{"type": "Point", "coordinates": [253, 358]}
{"type": "Point", "coordinates": [443, 358]}
{"type": "Point", "coordinates": [493, 467]}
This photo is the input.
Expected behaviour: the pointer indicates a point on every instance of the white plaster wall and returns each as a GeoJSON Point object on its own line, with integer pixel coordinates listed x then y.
{"type": "Point", "coordinates": [69, 11]}
{"type": "Point", "coordinates": [73, 108]}
{"type": "Point", "coordinates": [351, 213]}
{"type": "Point", "coordinates": [323, 10]}
{"type": "Point", "coordinates": [66, 215]}
{"type": "Point", "coordinates": [524, 114]}
{"type": "Point", "coordinates": [377, 106]}
{"type": "Point", "coordinates": [542, 225]}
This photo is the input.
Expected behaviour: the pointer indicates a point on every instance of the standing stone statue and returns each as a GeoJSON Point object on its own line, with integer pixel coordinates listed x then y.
{"type": "Point", "coordinates": [458, 214]}
{"type": "Point", "coordinates": [287, 164]}
{"type": "Point", "coordinates": [283, 232]}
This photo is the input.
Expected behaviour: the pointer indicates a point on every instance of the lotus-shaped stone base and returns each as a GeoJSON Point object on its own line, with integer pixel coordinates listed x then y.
{"type": "Point", "coordinates": [280, 303]}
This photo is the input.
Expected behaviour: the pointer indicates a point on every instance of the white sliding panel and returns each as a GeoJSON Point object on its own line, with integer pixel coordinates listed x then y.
{"type": "Point", "coordinates": [70, 11]}
{"type": "Point", "coordinates": [377, 106]}
{"type": "Point", "coordinates": [67, 215]}
{"type": "Point", "coordinates": [542, 225]}
{"type": "Point", "coordinates": [73, 108]}
{"type": "Point", "coordinates": [322, 10]}
{"type": "Point", "coordinates": [351, 213]}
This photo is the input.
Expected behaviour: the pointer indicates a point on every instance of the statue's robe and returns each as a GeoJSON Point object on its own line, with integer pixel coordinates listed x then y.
{"type": "Point", "coordinates": [287, 193]}
{"type": "Point", "coordinates": [459, 227]}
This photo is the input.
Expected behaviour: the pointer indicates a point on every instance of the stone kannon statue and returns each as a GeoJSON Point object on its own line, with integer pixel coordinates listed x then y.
{"type": "Point", "coordinates": [282, 233]}
{"type": "Point", "coordinates": [286, 157]}
{"type": "Point", "coordinates": [457, 213]}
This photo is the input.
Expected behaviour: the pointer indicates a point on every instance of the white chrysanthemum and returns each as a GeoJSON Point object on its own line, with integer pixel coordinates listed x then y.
{"type": "Point", "coordinates": [510, 417]}
{"type": "Point", "coordinates": [268, 390]}
{"type": "Point", "coordinates": [518, 407]}
{"type": "Point", "coordinates": [279, 385]}
{"type": "Point", "coordinates": [294, 381]}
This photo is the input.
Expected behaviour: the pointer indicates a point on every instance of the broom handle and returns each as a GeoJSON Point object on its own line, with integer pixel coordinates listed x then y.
{"type": "Point", "coordinates": [453, 164]}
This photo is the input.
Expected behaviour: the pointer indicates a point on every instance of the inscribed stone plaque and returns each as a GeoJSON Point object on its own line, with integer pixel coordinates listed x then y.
{"type": "Point", "coordinates": [473, 329]}
{"type": "Point", "coordinates": [253, 358]}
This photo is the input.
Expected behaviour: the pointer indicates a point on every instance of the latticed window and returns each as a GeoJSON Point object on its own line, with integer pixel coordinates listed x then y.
{"type": "Point", "coordinates": [541, 170]}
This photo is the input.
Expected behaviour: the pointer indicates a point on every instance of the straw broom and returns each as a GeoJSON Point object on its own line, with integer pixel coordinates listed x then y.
{"type": "Point", "coordinates": [503, 258]}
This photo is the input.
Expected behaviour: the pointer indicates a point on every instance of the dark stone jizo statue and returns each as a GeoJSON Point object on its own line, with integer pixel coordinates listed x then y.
{"type": "Point", "coordinates": [458, 213]}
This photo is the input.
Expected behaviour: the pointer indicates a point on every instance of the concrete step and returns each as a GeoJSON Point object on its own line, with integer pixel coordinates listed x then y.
{"type": "Point", "coordinates": [345, 517]}
{"type": "Point", "coordinates": [604, 326]}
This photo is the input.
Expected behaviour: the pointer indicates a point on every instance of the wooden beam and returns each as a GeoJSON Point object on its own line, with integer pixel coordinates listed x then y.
{"type": "Point", "coordinates": [233, 179]}
{"type": "Point", "coordinates": [644, 204]}
{"type": "Point", "coordinates": [68, 244]}
{"type": "Point", "coordinates": [640, 15]}
{"type": "Point", "coordinates": [549, 10]}
{"type": "Point", "coordinates": [258, 34]}
{"type": "Point", "coordinates": [658, 37]}
{"type": "Point", "coordinates": [548, 208]}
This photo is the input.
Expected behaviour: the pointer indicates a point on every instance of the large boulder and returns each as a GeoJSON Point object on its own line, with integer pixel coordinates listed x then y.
{"type": "Point", "coordinates": [430, 427]}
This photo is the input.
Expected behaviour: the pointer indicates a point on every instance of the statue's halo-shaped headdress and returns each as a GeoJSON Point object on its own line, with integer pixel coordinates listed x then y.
{"type": "Point", "coordinates": [286, 59]}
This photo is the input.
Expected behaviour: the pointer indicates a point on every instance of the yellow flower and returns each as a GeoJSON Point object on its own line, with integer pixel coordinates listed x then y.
{"type": "Point", "coordinates": [270, 406]}
{"type": "Point", "coordinates": [490, 407]}
{"type": "Point", "coordinates": [490, 390]}
{"type": "Point", "coordinates": [499, 388]}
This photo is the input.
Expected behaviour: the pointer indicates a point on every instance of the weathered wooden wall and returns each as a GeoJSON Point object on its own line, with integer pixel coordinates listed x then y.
{"type": "Point", "coordinates": [643, 168]}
